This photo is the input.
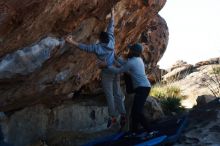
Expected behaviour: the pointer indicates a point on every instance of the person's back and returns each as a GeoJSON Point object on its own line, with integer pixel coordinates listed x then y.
{"type": "Point", "coordinates": [101, 50]}
{"type": "Point", "coordinates": [137, 72]}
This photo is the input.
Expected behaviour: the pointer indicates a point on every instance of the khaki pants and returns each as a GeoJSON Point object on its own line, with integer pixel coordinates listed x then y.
{"type": "Point", "coordinates": [113, 93]}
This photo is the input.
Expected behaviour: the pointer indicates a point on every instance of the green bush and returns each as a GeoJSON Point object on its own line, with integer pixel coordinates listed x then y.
{"type": "Point", "coordinates": [171, 105]}
{"type": "Point", "coordinates": [158, 92]}
{"type": "Point", "coordinates": [212, 81]}
{"type": "Point", "coordinates": [173, 91]}
{"type": "Point", "coordinates": [216, 70]}
{"type": "Point", "coordinates": [165, 91]}
{"type": "Point", "coordinates": [170, 98]}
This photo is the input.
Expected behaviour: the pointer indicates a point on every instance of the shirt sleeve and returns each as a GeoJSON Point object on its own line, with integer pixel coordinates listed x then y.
{"type": "Point", "coordinates": [110, 29]}
{"type": "Point", "coordinates": [123, 68]}
{"type": "Point", "coordinates": [93, 48]}
{"type": "Point", "coordinates": [121, 60]}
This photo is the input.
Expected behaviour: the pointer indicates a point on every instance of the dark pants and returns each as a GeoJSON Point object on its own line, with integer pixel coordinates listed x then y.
{"type": "Point", "coordinates": [137, 113]}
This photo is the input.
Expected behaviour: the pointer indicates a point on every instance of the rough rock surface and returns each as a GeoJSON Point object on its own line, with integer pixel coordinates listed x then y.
{"type": "Point", "coordinates": [204, 99]}
{"type": "Point", "coordinates": [179, 63]}
{"type": "Point", "coordinates": [197, 83]}
{"type": "Point", "coordinates": [39, 122]}
{"type": "Point", "coordinates": [86, 117]}
{"type": "Point", "coordinates": [208, 62]}
{"type": "Point", "coordinates": [181, 69]}
{"type": "Point", "coordinates": [36, 65]}
{"type": "Point", "coordinates": [156, 74]}
{"type": "Point", "coordinates": [154, 111]}
{"type": "Point", "coordinates": [203, 127]}
{"type": "Point", "coordinates": [178, 73]}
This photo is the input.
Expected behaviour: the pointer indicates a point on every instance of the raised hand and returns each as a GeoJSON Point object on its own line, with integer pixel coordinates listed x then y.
{"type": "Point", "coordinates": [70, 40]}
{"type": "Point", "coordinates": [113, 12]}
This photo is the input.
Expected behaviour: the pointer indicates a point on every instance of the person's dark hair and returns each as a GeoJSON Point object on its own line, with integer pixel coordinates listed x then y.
{"type": "Point", "coordinates": [135, 50]}
{"type": "Point", "coordinates": [103, 37]}
{"type": "Point", "coordinates": [133, 54]}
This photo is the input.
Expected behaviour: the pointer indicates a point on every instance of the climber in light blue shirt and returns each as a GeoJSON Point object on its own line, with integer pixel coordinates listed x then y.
{"type": "Point", "coordinates": [104, 50]}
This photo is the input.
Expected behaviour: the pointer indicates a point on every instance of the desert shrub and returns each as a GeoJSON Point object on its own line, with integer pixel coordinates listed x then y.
{"type": "Point", "coordinates": [173, 91]}
{"type": "Point", "coordinates": [157, 91]}
{"type": "Point", "coordinates": [171, 105]}
{"type": "Point", "coordinates": [216, 70]}
{"type": "Point", "coordinates": [211, 80]}
{"type": "Point", "coordinates": [170, 98]}
{"type": "Point", "coordinates": [165, 91]}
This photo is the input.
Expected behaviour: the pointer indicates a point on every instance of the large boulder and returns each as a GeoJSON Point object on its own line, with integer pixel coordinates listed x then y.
{"type": "Point", "coordinates": [156, 75]}
{"type": "Point", "coordinates": [204, 99]}
{"type": "Point", "coordinates": [40, 122]}
{"type": "Point", "coordinates": [178, 71]}
{"type": "Point", "coordinates": [208, 62]}
{"type": "Point", "coordinates": [153, 109]}
{"type": "Point", "coordinates": [36, 64]}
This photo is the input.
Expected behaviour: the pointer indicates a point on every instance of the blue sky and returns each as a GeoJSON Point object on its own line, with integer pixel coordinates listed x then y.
{"type": "Point", "coordinates": [194, 28]}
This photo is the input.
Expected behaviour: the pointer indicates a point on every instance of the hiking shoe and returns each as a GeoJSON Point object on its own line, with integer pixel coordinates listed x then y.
{"type": "Point", "coordinates": [111, 121]}
{"type": "Point", "coordinates": [123, 120]}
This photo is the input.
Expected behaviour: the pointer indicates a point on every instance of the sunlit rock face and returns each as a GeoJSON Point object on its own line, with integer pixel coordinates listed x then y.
{"type": "Point", "coordinates": [36, 64]}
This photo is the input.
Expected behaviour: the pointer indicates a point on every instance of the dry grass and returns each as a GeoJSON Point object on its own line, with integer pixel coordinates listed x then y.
{"type": "Point", "coordinates": [170, 98]}
{"type": "Point", "coordinates": [211, 80]}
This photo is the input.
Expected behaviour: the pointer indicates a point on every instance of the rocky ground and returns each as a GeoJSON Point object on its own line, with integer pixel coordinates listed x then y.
{"type": "Point", "coordinates": [195, 80]}
{"type": "Point", "coordinates": [203, 126]}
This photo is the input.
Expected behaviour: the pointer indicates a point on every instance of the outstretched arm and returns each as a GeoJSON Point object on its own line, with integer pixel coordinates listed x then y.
{"type": "Point", "coordinates": [121, 60]}
{"type": "Point", "coordinates": [110, 28]}
{"type": "Point", "coordinates": [123, 68]}
{"type": "Point", "coordinates": [88, 48]}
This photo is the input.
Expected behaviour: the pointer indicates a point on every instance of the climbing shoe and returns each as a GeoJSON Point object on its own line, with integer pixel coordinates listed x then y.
{"type": "Point", "coordinates": [111, 121]}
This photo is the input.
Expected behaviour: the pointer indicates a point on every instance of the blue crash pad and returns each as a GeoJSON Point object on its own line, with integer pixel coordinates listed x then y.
{"type": "Point", "coordinates": [163, 132]}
